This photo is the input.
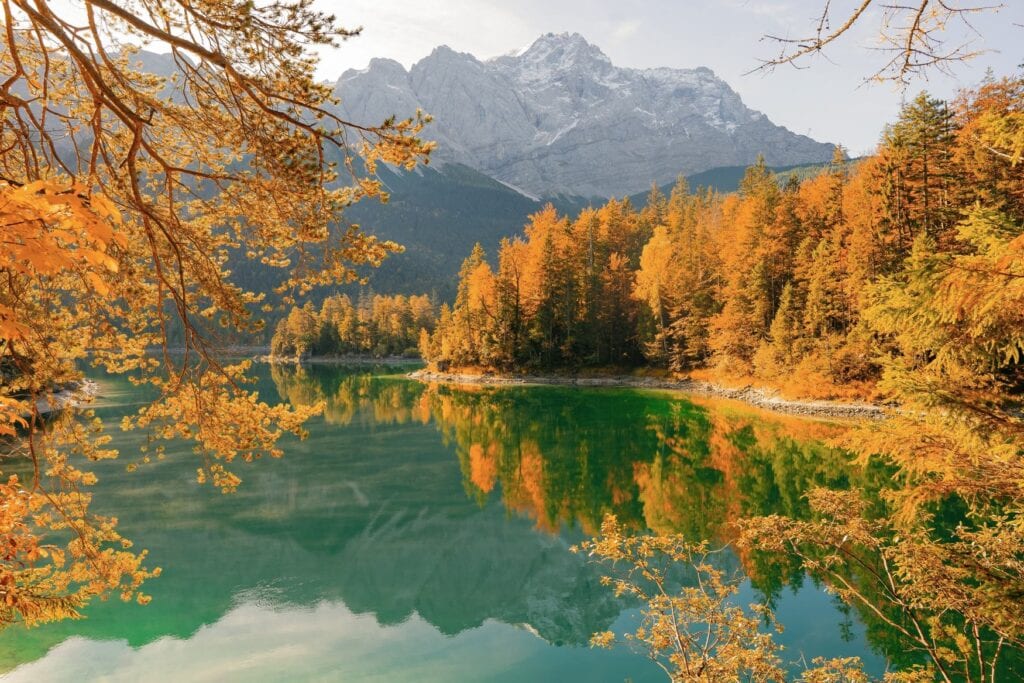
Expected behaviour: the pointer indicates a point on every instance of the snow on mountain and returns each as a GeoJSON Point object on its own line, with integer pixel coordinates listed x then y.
{"type": "Point", "coordinates": [559, 118]}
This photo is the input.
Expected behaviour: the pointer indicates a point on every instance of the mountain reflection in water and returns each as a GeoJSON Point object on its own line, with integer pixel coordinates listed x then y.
{"type": "Point", "coordinates": [423, 532]}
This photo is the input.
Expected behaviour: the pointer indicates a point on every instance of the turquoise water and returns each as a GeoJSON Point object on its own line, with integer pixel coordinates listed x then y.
{"type": "Point", "coordinates": [422, 533]}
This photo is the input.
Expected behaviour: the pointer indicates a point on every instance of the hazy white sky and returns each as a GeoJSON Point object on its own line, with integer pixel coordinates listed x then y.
{"type": "Point", "coordinates": [828, 101]}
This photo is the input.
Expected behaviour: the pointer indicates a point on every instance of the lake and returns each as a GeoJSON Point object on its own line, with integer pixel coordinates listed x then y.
{"type": "Point", "coordinates": [423, 533]}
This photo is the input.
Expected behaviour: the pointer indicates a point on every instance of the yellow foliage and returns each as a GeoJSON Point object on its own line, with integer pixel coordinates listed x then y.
{"type": "Point", "coordinates": [122, 197]}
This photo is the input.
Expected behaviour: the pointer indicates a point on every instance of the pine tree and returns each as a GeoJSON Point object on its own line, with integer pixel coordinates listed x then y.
{"type": "Point", "coordinates": [990, 143]}
{"type": "Point", "coordinates": [825, 309]}
{"type": "Point", "coordinates": [919, 177]}
{"type": "Point", "coordinates": [785, 331]}
{"type": "Point", "coordinates": [652, 283]}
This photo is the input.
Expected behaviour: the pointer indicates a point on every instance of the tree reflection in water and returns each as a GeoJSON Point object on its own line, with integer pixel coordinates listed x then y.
{"type": "Point", "coordinates": [371, 511]}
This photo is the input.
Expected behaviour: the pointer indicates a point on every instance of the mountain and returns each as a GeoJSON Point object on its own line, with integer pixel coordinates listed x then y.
{"type": "Point", "coordinates": [560, 118]}
{"type": "Point", "coordinates": [506, 108]}
{"type": "Point", "coordinates": [439, 212]}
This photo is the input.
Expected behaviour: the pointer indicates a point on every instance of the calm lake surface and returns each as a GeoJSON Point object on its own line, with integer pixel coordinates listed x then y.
{"type": "Point", "coordinates": [422, 533]}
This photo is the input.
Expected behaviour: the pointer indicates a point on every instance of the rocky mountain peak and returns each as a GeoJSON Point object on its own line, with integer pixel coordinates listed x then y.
{"type": "Point", "coordinates": [380, 69]}
{"type": "Point", "coordinates": [554, 57]}
{"type": "Point", "coordinates": [443, 53]}
{"type": "Point", "coordinates": [563, 50]}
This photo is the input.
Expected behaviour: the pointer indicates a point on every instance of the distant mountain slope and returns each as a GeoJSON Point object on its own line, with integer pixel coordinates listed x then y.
{"type": "Point", "coordinates": [558, 117]}
{"type": "Point", "coordinates": [727, 178]}
{"type": "Point", "coordinates": [437, 213]}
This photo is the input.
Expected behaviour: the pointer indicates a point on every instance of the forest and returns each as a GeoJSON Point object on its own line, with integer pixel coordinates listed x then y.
{"type": "Point", "coordinates": [799, 284]}
{"type": "Point", "coordinates": [375, 325]}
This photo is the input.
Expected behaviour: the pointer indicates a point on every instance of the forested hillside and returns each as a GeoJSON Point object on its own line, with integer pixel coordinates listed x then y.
{"type": "Point", "coordinates": [804, 283]}
{"type": "Point", "coordinates": [437, 214]}
{"type": "Point", "coordinates": [727, 179]}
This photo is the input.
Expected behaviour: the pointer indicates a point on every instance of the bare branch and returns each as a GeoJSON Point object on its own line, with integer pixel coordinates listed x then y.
{"type": "Point", "coordinates": [917, 37]}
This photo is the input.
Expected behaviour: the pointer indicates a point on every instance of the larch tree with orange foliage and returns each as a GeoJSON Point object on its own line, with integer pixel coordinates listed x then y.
{"type": "Point", "coordinates": [123, 195]}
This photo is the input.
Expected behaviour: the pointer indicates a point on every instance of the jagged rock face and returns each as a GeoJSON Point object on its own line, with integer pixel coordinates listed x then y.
{"type": "Point", "coordinates": [559, 117]}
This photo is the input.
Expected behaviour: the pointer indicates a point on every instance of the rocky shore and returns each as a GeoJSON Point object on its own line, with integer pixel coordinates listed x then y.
{"type": "Point", "coordinates": [754, 396]}
{"type": "Point", "coordinates": [71, 395]}
{"type": "Point", "coordinates": [337, 360]}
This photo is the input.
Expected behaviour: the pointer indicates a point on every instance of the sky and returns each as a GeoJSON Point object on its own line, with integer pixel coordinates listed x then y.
{"type": "Point", "coordinates": [829, 101]}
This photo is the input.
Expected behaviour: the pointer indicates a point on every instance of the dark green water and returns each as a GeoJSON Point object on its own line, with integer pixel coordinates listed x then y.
{"type": "Point", "coordinates": [422, 533]}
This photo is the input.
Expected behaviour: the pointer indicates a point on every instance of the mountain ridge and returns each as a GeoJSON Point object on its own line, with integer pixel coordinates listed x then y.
{"type": "Point", "coordinates": [558, 117]}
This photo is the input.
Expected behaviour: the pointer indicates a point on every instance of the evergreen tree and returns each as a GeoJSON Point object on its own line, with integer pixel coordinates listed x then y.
{"type": "Point", "coordinates": [919, 177]}
{"type": "Point", "coordinates": [779, 351]}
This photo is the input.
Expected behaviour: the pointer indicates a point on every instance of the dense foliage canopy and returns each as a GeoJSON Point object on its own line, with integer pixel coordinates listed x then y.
{"type": "Point", "coordinates": [775, 281]}
{"type": "Point", "coordinates": [375, 325]}
{"type": "Point", "coordinates": [122, 197]}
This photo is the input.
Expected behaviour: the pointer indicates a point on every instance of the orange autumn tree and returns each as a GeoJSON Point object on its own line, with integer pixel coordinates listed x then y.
{"type": "Point", "coordinates": [124, 197]}
{"type": "Point", "coordinates": [768, 283]}
{"type": "Point", "coordinates": [56, 239]}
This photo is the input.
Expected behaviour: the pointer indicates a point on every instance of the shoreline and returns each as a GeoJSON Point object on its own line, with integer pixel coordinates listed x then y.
{"type": "Point", "coordinates": [338, 360]}
{"type": "Point", "coordinates": [759, 398]}
{"type": "Point", "coordinates": [73, 395]}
